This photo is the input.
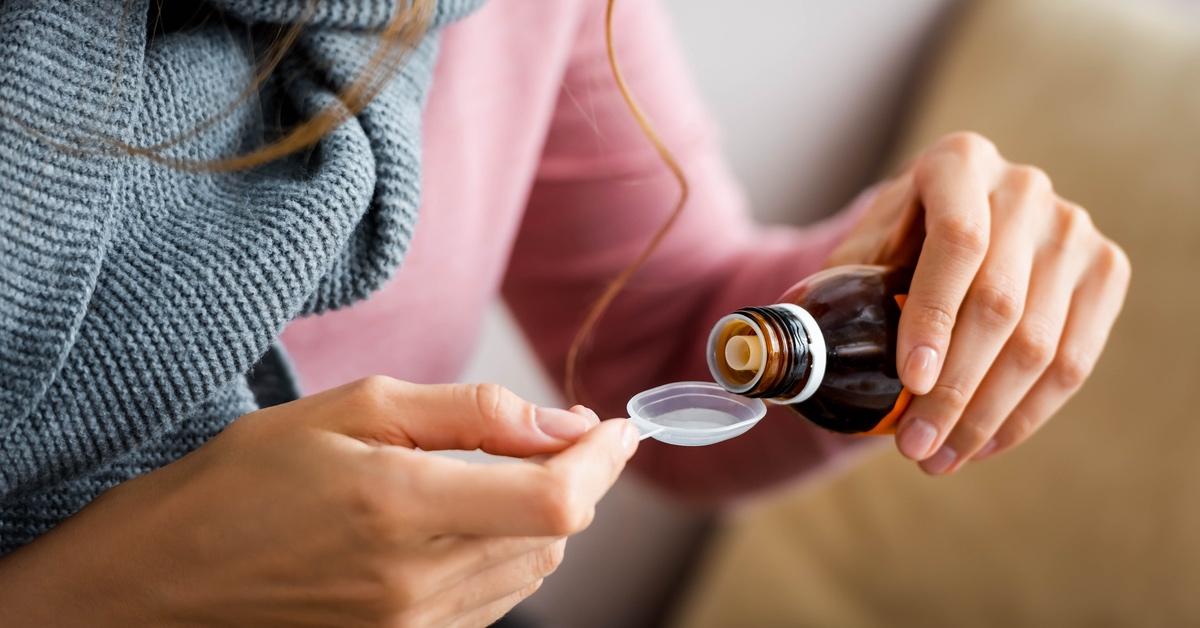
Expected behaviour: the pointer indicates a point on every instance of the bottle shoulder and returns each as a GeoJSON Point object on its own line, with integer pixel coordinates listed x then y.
{"type": "Point", "coordinates": [836, 295]}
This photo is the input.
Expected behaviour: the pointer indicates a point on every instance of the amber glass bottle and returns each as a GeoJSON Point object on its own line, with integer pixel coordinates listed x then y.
{"type": "Point", "coordinates": [827, 349]}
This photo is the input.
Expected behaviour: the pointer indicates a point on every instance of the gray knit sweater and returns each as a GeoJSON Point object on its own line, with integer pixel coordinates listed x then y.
{"type": "Point", "coordinates": [135, 299]}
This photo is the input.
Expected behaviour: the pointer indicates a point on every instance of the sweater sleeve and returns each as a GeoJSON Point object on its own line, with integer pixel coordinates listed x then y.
{"type": "Point", "coordinates": [136, 295]}
{"type": "Point", "coordinates": [600, 195]}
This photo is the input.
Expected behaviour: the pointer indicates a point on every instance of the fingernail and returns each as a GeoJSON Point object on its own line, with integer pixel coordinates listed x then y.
{"type": "Point", "coordinates": [939, 462]}
{"type": "Point", "coordinates": [587, 412]}
{"type": "Point", "coordinates": [986, 450]}
{"type": "Point", "coordinates": [919, 370]}
{"type": "Point", "coordinates": [916, 439]}
{"type": "Point", "coordinates": [629, 438]}
{"type": "Point", "coordinates": [561, 424]}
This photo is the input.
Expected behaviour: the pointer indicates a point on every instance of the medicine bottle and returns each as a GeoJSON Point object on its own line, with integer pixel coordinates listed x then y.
{"type": "Point", "coordinates": [827, 349]}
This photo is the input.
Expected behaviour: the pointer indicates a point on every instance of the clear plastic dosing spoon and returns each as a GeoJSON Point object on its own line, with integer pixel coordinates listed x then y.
{"type": "Point", "coordinates": [693, 414]}
{"type": "Point", "coordinates": [651, 433]}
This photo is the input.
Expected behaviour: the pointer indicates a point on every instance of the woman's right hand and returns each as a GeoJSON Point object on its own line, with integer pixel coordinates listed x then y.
{"type": "Point", "coordinates": [323, 512]}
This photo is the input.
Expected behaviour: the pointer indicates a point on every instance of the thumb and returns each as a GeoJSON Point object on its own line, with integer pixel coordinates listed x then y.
{"type": "Point", "coordinates": [884, 230]}
{"type": "Point", "coordinates": [458, 416]}
{"type": "Point", "coordinates": [903, 246]}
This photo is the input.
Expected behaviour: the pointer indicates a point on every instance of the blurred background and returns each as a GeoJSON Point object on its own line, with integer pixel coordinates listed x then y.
{"type": "Point", "coordinates": [1094, 522]}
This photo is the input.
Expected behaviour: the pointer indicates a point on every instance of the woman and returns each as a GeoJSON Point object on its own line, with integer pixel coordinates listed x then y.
{"type": "Point", "coordinates": [144, 299]}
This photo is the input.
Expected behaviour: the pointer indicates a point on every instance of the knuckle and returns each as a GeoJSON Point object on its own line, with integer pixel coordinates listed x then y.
{"type": "Point", "coordinates": [1079, 217]}
{"type": "Point", "coordinates": [361, 502]}
{"type": "Point", "coordinates": [969, 145]}
{"type": "Point", "coordinates": [952, 395]}
{"type": "Point", "coordinates": [963, 233]}
{"type": "Point", "coordinates": [1000, 304]}
{"type": "Point", "coordinates": [371, 518]}
{"type": "Point", "coordinates": [1033, 347]}
{"type": "Point", "coordinates": [561, 512]}
{"type": "Point", "coordinates": [1114, 261]}
{"type": "Point", "coordinates": [971, 435]}
{"type": "Point", "coordinates": [1077, 224]}
{"type": "Point", "coordinates": [1030, 179]}
{"type": "Point", "coordinates": [1071, 369]}
{"type": "Point", "coordinates": [1019, 426]}
{"type": "Point", "coordinates": [935, 318]}
{"type": "Point", "coordinates": [374, 389]}
{"type": "Point", "coordinates": [496, 403]}
{"type": "Point", "coordinates": [488, 398]}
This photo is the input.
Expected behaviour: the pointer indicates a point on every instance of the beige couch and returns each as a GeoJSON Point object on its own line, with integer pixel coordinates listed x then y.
{"type": "Point", "coordinates": [1096, 521]}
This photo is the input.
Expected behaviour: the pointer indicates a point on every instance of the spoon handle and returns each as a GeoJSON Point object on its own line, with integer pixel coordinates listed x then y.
{"type": "Point", "coordinates": [650, 433]}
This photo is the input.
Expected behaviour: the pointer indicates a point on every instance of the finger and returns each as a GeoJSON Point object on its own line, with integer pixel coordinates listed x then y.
{"type": "Point", "coordinates": [588, 413]}
{"type": "Point", "coordinates": [452, 558]}
{"type": "Point", "coordinates": [555, 498]}
{"type": "Point", "coordinates": [491, 613]}
{"type": "Point", "coordinates": [500, 582]}
{"type": "Point", "coordinates": [445, 561]}
{"type": "Point", "coordinates": [953, 182]}
{"type": "Point", "coordinates": [455, 416]}
{"type": "Point", "coordinates": [1094, 309]}
{"type": "Point", "coordinates": [1028, 352]}
{"type": "Point", "coordinates": [994, 304]}
{"type": "Point", "coordinates": [584, 411]}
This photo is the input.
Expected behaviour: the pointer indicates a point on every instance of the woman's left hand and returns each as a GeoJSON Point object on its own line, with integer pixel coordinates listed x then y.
{"type": "Point", "coordinates": [1013, 297]}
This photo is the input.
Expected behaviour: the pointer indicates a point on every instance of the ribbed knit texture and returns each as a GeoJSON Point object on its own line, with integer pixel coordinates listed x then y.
{"type": "Point", "coordinates": [135, 298]}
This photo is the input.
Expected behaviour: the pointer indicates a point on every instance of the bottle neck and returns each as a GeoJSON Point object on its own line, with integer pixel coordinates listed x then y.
{"type": "Point", "coordinates": [774, 352]}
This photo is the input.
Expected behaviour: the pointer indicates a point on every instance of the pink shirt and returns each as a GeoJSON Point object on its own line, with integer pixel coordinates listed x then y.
{"type": "Point", "coordinates": [539, 187]}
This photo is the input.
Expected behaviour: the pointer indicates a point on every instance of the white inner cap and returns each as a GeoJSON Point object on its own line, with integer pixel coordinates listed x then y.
{"type": "Point", "coordinates": [715, 352]}
{"type": "Point", "coordinates": [744, 353]}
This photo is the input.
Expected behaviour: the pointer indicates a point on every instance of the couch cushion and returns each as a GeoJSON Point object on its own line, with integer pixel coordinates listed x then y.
{"type": "Point", "coordinates": [1094, 521]}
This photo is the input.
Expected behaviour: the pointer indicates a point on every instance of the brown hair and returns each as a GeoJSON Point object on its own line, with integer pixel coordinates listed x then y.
{"type": "Point", "coordinates": [401, 34]}
{"type": "Point", "coordinates": [573, 384]}
{"type": "Point", "coordinates": [399, 37]}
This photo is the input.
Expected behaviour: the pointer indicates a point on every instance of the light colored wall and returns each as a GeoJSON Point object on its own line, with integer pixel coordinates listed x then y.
{"type": "Point", "coordinates": [802, 88]}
